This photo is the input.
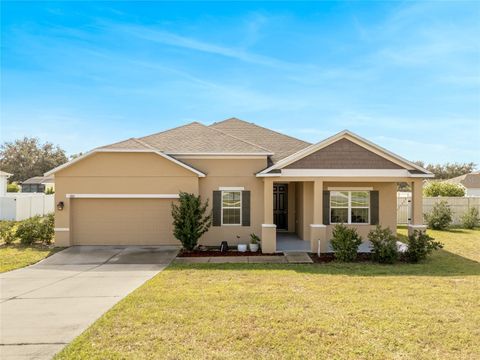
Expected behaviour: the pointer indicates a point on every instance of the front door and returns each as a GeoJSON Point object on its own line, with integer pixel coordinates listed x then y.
{"type": "Point", "coordinates": [280, 206]}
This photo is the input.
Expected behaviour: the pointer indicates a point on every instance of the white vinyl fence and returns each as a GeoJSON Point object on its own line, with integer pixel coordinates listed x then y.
{"type": "Point", "coordinates": [459, 206]}
{"type": "Point", "coordinates": [21, 206]}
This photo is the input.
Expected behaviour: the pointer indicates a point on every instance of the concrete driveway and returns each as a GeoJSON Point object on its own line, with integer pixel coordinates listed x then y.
{"type": "Point", "coordinates": [45, 306]}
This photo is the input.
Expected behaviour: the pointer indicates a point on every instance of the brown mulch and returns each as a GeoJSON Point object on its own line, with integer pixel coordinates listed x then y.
{"type": "Point", "coordinates": [326, 258]}
{"type": "Point", "coordinates": [213, 253]}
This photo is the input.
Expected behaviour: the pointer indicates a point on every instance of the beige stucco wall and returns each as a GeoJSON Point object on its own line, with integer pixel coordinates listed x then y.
{"type": "Point", "coordinates": [147, 173]}
{"type": "Point", "coordinates": [232, 173]}
{"type": "Point", "coordinates": [387, 206]}
{"type": "Point", "coordinates": [117, 173]}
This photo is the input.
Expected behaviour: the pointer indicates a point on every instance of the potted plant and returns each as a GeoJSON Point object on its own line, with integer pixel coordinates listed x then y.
{"type": "Point", "coordinates": [254, 243]}
{"type": "Point", "coordinates": [241, 247]}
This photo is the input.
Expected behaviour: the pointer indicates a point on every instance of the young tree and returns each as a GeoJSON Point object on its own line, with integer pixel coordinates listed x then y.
{"type": "Point", "coordinates": [26, 157]}
{"type": "Point", "coordinates": [189, 220]}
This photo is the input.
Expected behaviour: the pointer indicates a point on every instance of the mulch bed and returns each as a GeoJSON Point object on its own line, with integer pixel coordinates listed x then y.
{"type": "Point", "coordinates": [214, 253]}
{"type": "Point", "coordinates": [326, 258]}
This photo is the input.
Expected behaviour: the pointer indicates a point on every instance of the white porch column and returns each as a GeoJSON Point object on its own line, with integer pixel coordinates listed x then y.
{"type": "Point", "coordinates": [317, 228]}
{"type": "Point", "coordinates": [417, 207]}
{"type": "Point", "coordinates": [269, 229]}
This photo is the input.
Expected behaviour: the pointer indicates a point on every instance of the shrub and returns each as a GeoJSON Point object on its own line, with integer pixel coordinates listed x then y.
{"type": "Point", "coordinates": [434, 189]}
{"type": "Point", "coordinates": [254, 239]}
{"type": "Point", "coordinates": [420, 245]}
{"type": "Point", "coordinates": [47, 226]}
{"type": "Point", "coordinates": [189, 220]}
{"type": "Point", "coordinates": [384, 245]}
{"type": "Point", "coordinates": [29, 230]}
{"type": "Point", "coordinates": [49, 191]}
{"type": "Point", "coordinates": [345, 243]}
{"type": "Point", "coordinates": [36, 229]}
{"type": "Point", "coordinates": [440, 217]}
{"type": "Point", "coordinates": [470, 219]}
{"type": "Point", "coordinates": [13, 187]}
{"type": "Point", "coordinates": [7, 231]}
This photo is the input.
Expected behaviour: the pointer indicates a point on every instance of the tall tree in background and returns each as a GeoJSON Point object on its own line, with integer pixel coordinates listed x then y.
{"type": "Point", "coordinates": [448, 170]}
{"type": "Point", "coordinates": [26, 157]}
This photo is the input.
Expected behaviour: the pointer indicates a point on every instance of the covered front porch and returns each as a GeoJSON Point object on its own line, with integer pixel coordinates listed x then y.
{"type": "Point", "coordinates": [299, 214]}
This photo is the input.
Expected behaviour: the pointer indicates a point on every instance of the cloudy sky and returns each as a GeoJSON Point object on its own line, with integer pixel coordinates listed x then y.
{"type": "Point", "coordinates": [405, 75]}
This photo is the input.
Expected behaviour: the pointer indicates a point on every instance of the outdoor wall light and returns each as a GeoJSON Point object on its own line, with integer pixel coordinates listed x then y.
{"type": "Point", "coordinates": [60, 206]}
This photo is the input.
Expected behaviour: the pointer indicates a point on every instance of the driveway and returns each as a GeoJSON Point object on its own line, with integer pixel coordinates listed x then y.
{"type": "Point", "coordinates": [45, 306]}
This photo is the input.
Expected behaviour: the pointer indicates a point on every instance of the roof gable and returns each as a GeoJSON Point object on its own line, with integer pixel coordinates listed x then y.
{"type": "Point", "coordinates": [469, 181]}
{"type": "Point", "coordinates": [343, 154]}
{"type": "Point", "coordinates": [346, 150]}
{"type": "Point", "coordinates": [145, 150]}
{"type": "Point", "coordinates": [280, 144]}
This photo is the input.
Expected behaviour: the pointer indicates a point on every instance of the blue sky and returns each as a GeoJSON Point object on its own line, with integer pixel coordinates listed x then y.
{"type": "Point", "coordinates": [405, 75]}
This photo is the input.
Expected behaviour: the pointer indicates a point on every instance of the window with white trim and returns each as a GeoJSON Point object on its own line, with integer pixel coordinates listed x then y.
{"type": "Point", "coordinates": [231, 207]}
{"type": "Point", "coordinates": [350, 207]}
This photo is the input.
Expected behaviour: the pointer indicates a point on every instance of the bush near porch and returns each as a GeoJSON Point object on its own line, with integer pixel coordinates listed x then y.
{"type": "Point", "coordinates": [427, 310]}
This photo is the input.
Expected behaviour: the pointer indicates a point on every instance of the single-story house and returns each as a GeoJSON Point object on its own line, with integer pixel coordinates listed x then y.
{"type": "Point", "coordinates": [470, 182]}
{"type": "Point", "coordinates": [255, 179]}
{"type": "Point", "coordinates": [38, 184]}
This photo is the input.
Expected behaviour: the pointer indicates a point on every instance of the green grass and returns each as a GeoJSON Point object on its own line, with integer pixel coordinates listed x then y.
{"type": "Point", "coordinates": [331, 311]}
{"type": "Point", "coordinates": [17, 256]}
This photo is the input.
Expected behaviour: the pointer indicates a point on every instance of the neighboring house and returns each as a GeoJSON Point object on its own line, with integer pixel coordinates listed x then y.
{"type": "Point", "coordinates": [4, 182]}
{"type": "Point", "coordinates": [38, 184]}
{"type": "Point", "coordinates": [256, 180]}
{"type": "Point", "coordinates": [471, 183]}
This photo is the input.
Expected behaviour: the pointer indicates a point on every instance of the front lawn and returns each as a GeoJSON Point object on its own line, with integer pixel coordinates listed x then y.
{"type": "Point", "coordinates": [340, 311]}
{"type": "Point", "coordinates": [17, 256]}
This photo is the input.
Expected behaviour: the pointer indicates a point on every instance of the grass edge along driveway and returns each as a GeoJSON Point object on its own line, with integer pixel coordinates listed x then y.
{"type": "Point", "coordinates": [340, 311]}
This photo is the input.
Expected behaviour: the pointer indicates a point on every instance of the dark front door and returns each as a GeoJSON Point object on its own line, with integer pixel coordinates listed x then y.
{"type": "Point", "coordinates": [280, 206]}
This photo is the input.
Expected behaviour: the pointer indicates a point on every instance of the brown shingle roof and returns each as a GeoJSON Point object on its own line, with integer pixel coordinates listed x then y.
{"type": "Point", "coordinates": [281, 145]}
{"type": "Point", "coordinates": [191, 138]}
{"type": "Point", "coordinates": [130, 144]}
{"type": "Point", "coordinates": [471, 180]}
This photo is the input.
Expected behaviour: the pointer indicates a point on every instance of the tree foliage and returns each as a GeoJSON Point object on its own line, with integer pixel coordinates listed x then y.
{"type": "Point", "coordinates": [190, 221]}
{"type": "Point", "coordinates": [448, 170]}
{"type": "Point", "coordinates": [25, 158]}
{"type": "Point", "coordinates": [434, 189]}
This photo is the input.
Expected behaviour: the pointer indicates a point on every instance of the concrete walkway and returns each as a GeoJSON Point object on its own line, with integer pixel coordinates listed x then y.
{"type": "Point", "coordinates": [232, 260]}
{"type": "Point", "coordinates": [288, 257]}
{"type": "Point", "coordinates": [45, 306]}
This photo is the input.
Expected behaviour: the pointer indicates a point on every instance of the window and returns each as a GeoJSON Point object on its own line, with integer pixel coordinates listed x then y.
{"type": "Point", "coordinates": [231, 207]}
{"type": "Point", "coordinates": [350, 207]}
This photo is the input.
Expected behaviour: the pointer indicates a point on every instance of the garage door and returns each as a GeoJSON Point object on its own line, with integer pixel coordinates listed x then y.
{"type": "Point", "coordinates": [122, 222]}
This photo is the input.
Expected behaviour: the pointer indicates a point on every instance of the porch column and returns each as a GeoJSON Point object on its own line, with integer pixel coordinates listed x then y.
{"type": "Point", "coordinates": [317, 229]}
{"type": "Point", "coordinates": [417, 207]}
{"type": "Point", "coordinates": [269, 229]}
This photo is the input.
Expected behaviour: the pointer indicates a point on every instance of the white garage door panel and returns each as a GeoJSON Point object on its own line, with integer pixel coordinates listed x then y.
{"type": "Point", "coordinates": [122, 222]}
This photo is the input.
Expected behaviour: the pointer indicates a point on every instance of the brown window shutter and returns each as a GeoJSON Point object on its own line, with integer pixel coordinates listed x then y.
{"type": "Point", "coordinates": [245, 208]}
{"type": "Point", "coordinates": [374, 208]}
{"type": "Point", "coordinates": [217, 208]}
{"type": "Point", "coordinates": [326, 207]}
